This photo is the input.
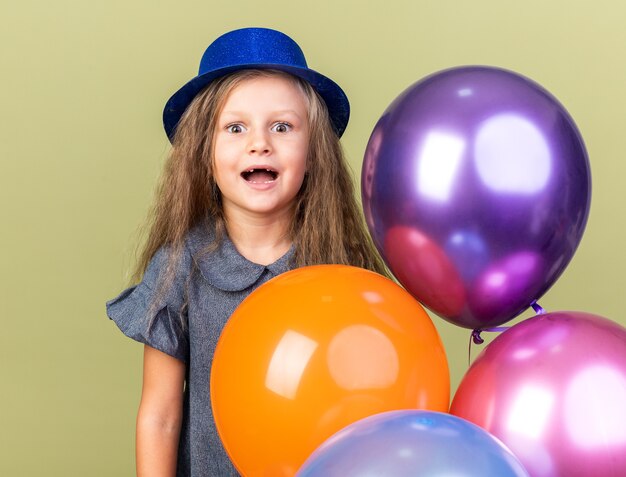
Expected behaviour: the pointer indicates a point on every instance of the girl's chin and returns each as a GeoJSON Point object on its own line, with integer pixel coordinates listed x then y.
{"type": "Point", "coordinates": [258, 209]}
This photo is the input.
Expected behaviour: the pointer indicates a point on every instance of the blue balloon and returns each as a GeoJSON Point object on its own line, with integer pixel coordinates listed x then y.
{"type": "Point", "coordinates": [412, 443]}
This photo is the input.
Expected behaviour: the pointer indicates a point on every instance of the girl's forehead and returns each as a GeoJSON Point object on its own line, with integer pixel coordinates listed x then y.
{"type": "Point", "coordinates": [275, 87]}
{"type": "Point", "coordinates": [263, 82]}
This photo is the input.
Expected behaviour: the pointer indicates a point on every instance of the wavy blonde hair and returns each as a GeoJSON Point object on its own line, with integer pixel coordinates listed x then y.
{"type": "Point", "coordinates": [327, 225]}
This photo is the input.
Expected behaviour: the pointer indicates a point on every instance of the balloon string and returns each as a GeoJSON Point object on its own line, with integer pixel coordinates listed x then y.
{"type": "Point", "coordinates": [538, 309]}
{"type": "Point", "coordinates": [478, 340]}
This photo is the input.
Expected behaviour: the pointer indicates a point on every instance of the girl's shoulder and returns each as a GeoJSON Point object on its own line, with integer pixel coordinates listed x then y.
{"type": "Point", "coordinates": [154, 310]}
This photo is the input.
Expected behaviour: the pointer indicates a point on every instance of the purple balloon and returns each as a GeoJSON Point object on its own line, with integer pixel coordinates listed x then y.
{"type": "Point", "coordinates": [489, 167]}
{"type": "Point", "coordinates": [412, 443]}
{"type": "Point", "coordinates": [553, 389]}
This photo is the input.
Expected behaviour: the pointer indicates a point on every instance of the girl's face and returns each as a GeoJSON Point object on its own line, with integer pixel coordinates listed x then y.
{"type": "Point", "coordinates": [261, 146]}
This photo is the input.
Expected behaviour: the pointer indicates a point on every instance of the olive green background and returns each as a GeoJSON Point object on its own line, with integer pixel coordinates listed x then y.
{"type": "Point", "coordinates": [82, 89]}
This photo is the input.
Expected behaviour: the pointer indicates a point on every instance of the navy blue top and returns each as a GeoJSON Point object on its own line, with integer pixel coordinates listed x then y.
{"type": "Point", "coordinates": [215, 284]}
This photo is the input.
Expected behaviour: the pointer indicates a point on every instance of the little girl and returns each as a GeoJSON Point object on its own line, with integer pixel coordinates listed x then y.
{"type": "Point", "coordinates": [256, 184]}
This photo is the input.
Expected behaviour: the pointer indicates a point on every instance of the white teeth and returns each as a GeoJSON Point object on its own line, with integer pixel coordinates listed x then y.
{"type": "Point", "coordinates": [272, 172]}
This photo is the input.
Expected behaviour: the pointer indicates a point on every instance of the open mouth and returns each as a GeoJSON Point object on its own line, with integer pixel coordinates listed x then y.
{"type": "Point", "coordinates": [259, 176]}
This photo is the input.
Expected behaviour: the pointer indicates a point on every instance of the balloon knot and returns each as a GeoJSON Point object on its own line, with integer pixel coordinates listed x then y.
{"type": "Point", "coordinates": [476, 338]}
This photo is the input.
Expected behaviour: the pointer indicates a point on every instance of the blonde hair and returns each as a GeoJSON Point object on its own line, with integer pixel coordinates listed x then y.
{"type": "Point", "coordinates": [327, 225]}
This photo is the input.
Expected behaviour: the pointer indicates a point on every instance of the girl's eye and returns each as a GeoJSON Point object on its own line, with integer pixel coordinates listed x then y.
{"type": "Point", "coordinates": [281, 127]}
{"type": "Point", "coordinates": [235, 128]}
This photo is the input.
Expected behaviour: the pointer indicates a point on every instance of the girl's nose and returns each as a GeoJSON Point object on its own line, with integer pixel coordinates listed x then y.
{"type": "Point", "coordinates": [259, 143]}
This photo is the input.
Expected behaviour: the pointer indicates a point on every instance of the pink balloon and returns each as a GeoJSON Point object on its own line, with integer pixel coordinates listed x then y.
{"type": "Point", "coordinates": [553, 389]}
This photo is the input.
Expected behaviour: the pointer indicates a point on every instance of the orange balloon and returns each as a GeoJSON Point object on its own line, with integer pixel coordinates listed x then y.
{"type": "Point", "coordinates": [314, 350]}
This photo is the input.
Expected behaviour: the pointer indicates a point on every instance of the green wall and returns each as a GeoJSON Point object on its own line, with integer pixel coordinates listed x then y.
{"type": "Point", "coordinates": [82, 89]}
